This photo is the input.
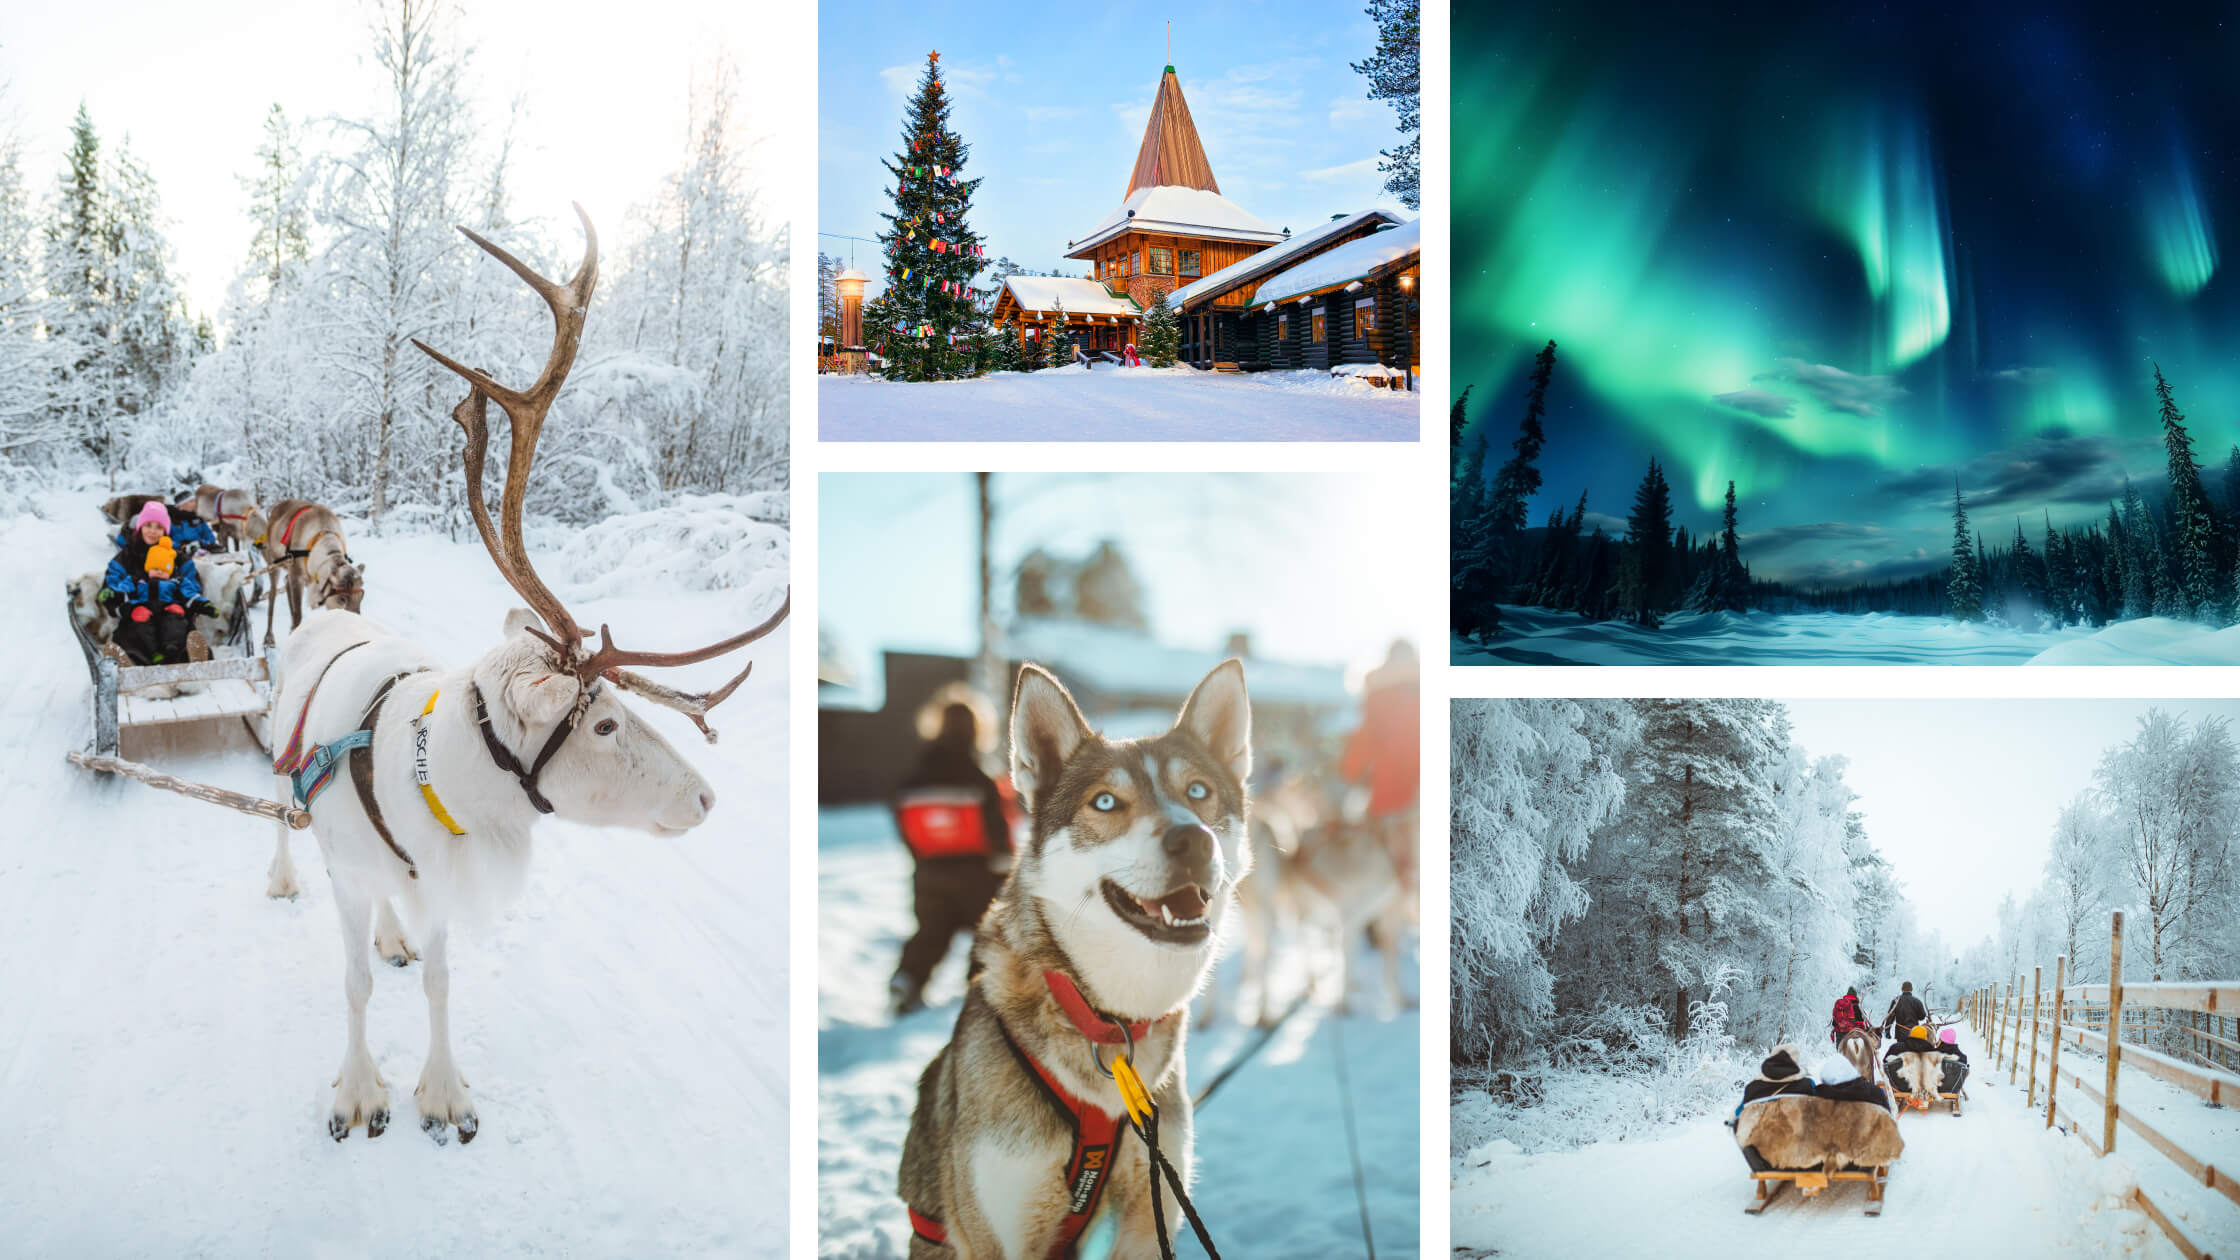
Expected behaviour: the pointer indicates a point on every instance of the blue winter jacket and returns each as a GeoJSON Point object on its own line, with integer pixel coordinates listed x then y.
{"type": "Point", "coordinates": [181, 588]}
{"type": "Point", "coordinates": [185, 529]}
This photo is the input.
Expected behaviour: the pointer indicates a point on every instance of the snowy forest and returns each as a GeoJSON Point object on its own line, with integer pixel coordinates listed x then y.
{"type": "Point", "coordinates": [301, 379]}
{"type": "Point", "coordinates": [2170, 550]}
{"type": "Point", "coordinates": [1648, 893]}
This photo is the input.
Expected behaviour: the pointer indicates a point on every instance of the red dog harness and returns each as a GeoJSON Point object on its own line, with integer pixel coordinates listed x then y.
{"type": "Point", "coordinates": [1096, 1135]}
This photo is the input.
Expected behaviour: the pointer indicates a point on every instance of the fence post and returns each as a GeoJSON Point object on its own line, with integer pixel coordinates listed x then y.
{"type": "Point", "coordinates": [1998, 1025]}
{"type": "Point", "coordinates": [2115, 1024]}
{"type": "Point", "coordinates": [2053, 1062]}
{"type": "Point", "coordinates": [2037, 977]}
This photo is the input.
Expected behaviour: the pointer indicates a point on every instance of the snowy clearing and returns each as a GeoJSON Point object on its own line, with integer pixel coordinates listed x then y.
{"type": "Point", "coordinates": [1992, 1181]}
{"type": "Point", "coordinates": [1273, 1174]}
{"type": "Point", "coordinates": [170, 1035]}
{"type": "Point", "coordinates": [1538, 636]}
{"type": "Point", "coordinates": [1111, 404]}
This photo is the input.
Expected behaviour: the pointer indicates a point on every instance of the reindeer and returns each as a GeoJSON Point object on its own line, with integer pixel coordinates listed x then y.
{"type": "Point", "coordinates": [458, 765]}
{"type": "Point", "coordinates": [230, 513]}
{"type": "Point", "coordinates": [309, 548]}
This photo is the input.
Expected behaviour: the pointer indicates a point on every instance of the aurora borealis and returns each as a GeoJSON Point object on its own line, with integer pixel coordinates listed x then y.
{"type": "Point", "coordinates": [1843, 254]}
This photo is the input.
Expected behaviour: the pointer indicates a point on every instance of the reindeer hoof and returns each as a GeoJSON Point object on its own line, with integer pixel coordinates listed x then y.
{"type": "Point", "coordinates": [468, 1126]}
{"type": "Point", "coordinates": [338, 1127]}
{"type": "Point", "coordinates": [436, 1129]}
{"type": "Point", "coordinates": [378, 1123]}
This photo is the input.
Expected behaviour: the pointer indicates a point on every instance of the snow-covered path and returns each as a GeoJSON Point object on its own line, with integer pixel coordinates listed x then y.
{"type": "Point", "coordinates": [1110, 404]}
{"type": "Point", "coordinates": [1992, 1181]}
{"type": "Point", "coordinates": [1273, 1174]}
{"type": "Point", "coordinates": [168, 1036]}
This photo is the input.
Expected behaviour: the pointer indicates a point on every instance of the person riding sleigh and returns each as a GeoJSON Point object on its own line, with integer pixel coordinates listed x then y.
{"type": "Point", "coordinates": [1847, 1016]}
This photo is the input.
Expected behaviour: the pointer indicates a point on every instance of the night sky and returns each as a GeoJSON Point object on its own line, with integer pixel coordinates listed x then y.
{"type": "Point", "coordinates": [1841, 256]}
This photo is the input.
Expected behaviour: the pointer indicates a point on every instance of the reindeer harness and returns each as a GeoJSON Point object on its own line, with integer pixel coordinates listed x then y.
{"type": "Point", "coordinates": [527, 775]}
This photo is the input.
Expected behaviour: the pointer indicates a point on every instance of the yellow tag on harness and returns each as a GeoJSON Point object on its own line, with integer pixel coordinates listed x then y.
{"type": "Point", "coordinates": [1132, 1091]}
{"type": "Point", "coordinates": [420, 770]}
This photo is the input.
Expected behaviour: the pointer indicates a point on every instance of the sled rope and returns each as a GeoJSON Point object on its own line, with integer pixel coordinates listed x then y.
{"type": "Point", "coordinates": [1143, 1114]}
{"type": "Point", "coordinates": [1353, 1144]}
{"type": "Point", "coordinates": [1244, 1056]}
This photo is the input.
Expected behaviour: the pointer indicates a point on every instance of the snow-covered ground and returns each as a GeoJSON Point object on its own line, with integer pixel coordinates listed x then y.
{"type": "Point", "coordinates": [1539, 636]}
{"type": "Point", "coordinates": [1273, 1179]}
{"type": "Point", "coordinates": [169, 1037]}
{"type": "Point", "coordinates": [1110, 404]}
{"type": "Point", "coordinates": [1992, 1181]}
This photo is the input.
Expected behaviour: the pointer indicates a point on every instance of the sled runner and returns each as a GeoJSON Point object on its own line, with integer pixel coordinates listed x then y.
{"type": "Point", "coordinates": [1811, 1183]}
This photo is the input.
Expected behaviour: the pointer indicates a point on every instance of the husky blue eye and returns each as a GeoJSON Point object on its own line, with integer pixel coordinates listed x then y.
{"type": "Point", "coordinates": [1198, 791]}
{"type": "Point", "coordinates": [1106, 802]}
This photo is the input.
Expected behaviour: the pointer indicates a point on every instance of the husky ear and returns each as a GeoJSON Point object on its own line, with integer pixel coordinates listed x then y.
{"type": "Point", "coordinates": [1046, 728]}
{"type": "Point", "coordinates": [1220, 713]}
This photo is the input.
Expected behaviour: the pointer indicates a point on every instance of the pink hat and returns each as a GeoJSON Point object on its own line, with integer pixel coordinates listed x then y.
{"type": "Point", "coordinates": [1948, 1037]}
{"type": "Point", "coordinates": [152, 511]}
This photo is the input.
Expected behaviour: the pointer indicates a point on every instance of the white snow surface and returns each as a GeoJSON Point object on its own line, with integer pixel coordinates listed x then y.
{"type": "Point", "coordinates": [1114, 404]}
{"type": "Point", "coordinates": [1272, 257]}
{"type": "Point", "coordinates": [1991, 1181]}
{"type": "Point", "coordinates": [1273, 1174]}
{"type": "Point", "coordinates": [1540, 636]}
{"type": "Point", "coordinates": [1175, 208]}
{"type": "Point", "coordinates": [1042, 294]}
{"type": "Point", "coordinates": [1349, 261]}
{"type": "Point", "coordinates": [168, 1036]}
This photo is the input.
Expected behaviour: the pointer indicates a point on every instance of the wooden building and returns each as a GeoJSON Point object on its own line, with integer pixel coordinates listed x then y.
{"type": "Point", "coordinates": [1173, 225]}
{"type": "Point", "coordinates": [1099, 318]}
{"type": "Point", "coordinates": [1215, 311]}
{"type": "Point", "coordinates": [1357, 305]}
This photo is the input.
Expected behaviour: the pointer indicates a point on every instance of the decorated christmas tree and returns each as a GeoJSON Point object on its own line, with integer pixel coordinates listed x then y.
{"type": "Point", "coordinates": [1162, 337]}
{"type": "Point", "coordinates": [932, 252]}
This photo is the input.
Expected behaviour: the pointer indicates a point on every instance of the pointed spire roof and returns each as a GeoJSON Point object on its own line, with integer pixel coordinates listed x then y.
{"type": "Point", "coordinates": [1171, 153]}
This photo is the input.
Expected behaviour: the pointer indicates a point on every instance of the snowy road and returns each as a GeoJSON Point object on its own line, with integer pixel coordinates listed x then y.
{"type": "Point", "coordinates": [1992, 1181]}
{"type": "Point", "coordinates": [1274, 1177]}
{"type": "Point", "coordinates": [1116, 405]}
{"type": "Point", "coordinates": [168, 1036]}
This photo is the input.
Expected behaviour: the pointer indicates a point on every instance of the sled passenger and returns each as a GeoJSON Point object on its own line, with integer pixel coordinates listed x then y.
{"type": "Point", "coordinates": [190, 534]}
{"type": "Point", "coordinates": [155, 595]}
{"type": "Point", "coordinates": [952, 816]}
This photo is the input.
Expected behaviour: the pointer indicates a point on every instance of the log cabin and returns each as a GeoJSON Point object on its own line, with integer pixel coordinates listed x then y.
{"type": "Point", "coordinates": [1355, 308]}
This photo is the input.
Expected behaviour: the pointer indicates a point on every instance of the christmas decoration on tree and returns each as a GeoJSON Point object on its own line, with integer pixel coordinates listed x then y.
{"type": "Point", "coordinates": [932, 254]}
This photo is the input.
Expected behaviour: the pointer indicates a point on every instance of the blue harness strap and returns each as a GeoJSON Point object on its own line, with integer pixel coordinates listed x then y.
{"type": "Point", "coordinates": [315, 770]}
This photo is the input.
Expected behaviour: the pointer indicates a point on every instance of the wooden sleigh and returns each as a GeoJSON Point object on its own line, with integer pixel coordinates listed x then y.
{"type": "Point", "coordinates": [1909, 1100]}
{"type": "Point", "coordinates": [1811, 1183]}
{"type": "Point", "coordinates": [236, 683]}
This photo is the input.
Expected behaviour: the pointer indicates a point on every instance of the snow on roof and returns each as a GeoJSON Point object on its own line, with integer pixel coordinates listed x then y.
{"type": "Point", "coordinates": [1082, 297]}
{"type": "Point", "coordinates": [1119, 662]}
{"type": "Point", "coordinates": [1268, 259]}
{"type": "Point", "coordinates": [1349, 261]}
{"type": "Point", "coordinates": [1186, 211]}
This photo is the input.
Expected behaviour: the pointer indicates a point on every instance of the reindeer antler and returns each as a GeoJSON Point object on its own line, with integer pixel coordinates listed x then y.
{"type": "Point", "coordinates": [526, 409]}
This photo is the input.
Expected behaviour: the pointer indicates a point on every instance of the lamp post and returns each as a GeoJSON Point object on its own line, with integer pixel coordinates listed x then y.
{"type": "Point", "coordinates": [1407, 357]}
{"type": "Point", "coordinates": [850, 285]}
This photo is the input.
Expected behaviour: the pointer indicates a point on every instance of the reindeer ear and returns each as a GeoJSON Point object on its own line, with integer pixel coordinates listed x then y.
{"type": "Point", "coordinates": [1220, 713]}
{"type": "Point", "coordinates": [1046, 728]}
{"type": "Point", "coordinates": [520, 619]}
{"type": "Point", "coordinates": [539, 694]}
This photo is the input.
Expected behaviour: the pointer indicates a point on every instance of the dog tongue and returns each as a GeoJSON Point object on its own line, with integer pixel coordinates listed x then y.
{"type": "Point", "coordinates": [1186, 902]}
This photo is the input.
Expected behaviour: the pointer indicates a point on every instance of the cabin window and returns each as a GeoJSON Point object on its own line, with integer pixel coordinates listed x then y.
{"type": "Point", "coordinates": [1283, 328]}
{"type": "Point", "coordinates": [1364, 317]}
{"type": "Point", "coordinates": [1319, 327]}
{"type": "Point", "coordinates": [1162, 261]}
{"type": "Point", "coordinates": [1189, 262]}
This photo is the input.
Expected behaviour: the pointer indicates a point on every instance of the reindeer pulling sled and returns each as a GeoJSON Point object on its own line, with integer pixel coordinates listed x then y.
{"type": "Point", "coordinates": [1812, 1134]}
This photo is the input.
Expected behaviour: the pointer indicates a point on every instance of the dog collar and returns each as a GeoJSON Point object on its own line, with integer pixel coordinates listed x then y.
{"type": "Point", "coordinates": [1095, 1027]}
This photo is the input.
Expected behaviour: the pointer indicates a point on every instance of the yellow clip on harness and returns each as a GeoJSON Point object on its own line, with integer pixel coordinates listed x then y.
{"type": "Point", "coordinates": [420, 769]}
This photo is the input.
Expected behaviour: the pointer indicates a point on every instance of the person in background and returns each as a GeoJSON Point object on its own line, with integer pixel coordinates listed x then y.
{"type": "Point", "coordinates": [1386, 753]}
{"type": "Point", "coordinates": [1848, 1015]}
{"type": "Point", "coordinates": [956, 822]}
{"type": "Point", "coordinates": [154, 593]}
{"type": "Point", "coordinates": [1906, 1012]}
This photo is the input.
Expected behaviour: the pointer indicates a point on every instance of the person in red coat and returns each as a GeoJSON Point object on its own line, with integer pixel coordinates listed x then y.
{"type": "Point", "coordinates": [1848, 1015]}
{"type": "Point", "coordinates": [1386, 753]}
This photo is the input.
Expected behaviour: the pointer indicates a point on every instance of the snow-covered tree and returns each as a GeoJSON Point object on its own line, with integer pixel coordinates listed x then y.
{"type": "Point", "coordinates": [31, 429]}
{"type": "Point", "coordinates": [2171, 792]}
{"type": "Point", "coordinates": [1162, 336]}
{"type": "Point", "coordinates": [1059, 346]}
{"type": "Point", "coordinates": [1393, 76]}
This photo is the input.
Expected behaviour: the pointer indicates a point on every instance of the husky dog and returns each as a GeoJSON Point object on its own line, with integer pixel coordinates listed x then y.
{"type": "Point", "coordinates": [1108, 925]}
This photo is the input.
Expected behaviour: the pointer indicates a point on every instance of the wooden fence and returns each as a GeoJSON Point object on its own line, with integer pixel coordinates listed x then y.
{"type": "Point", "coordinates": [2194, 1023]}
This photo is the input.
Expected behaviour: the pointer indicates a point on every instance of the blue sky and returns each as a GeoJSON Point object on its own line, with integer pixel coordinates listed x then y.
{"type": "Point", "coordinates": [1315, 566]}
{"type": "Point", "coordinates": [1053, 102]}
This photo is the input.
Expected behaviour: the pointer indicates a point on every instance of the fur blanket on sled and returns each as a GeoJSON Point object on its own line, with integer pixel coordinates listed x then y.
{"type": "Point", "coordinates": [1792, 1122]}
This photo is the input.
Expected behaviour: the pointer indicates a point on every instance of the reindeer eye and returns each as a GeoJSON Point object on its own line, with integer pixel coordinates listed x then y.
{"type": "Point", "coordinates": [1198, 791]}
{"type": "Point", "coordinates": [1105, 803]}
{"type": "Point", "coordinates": [605, 727]}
